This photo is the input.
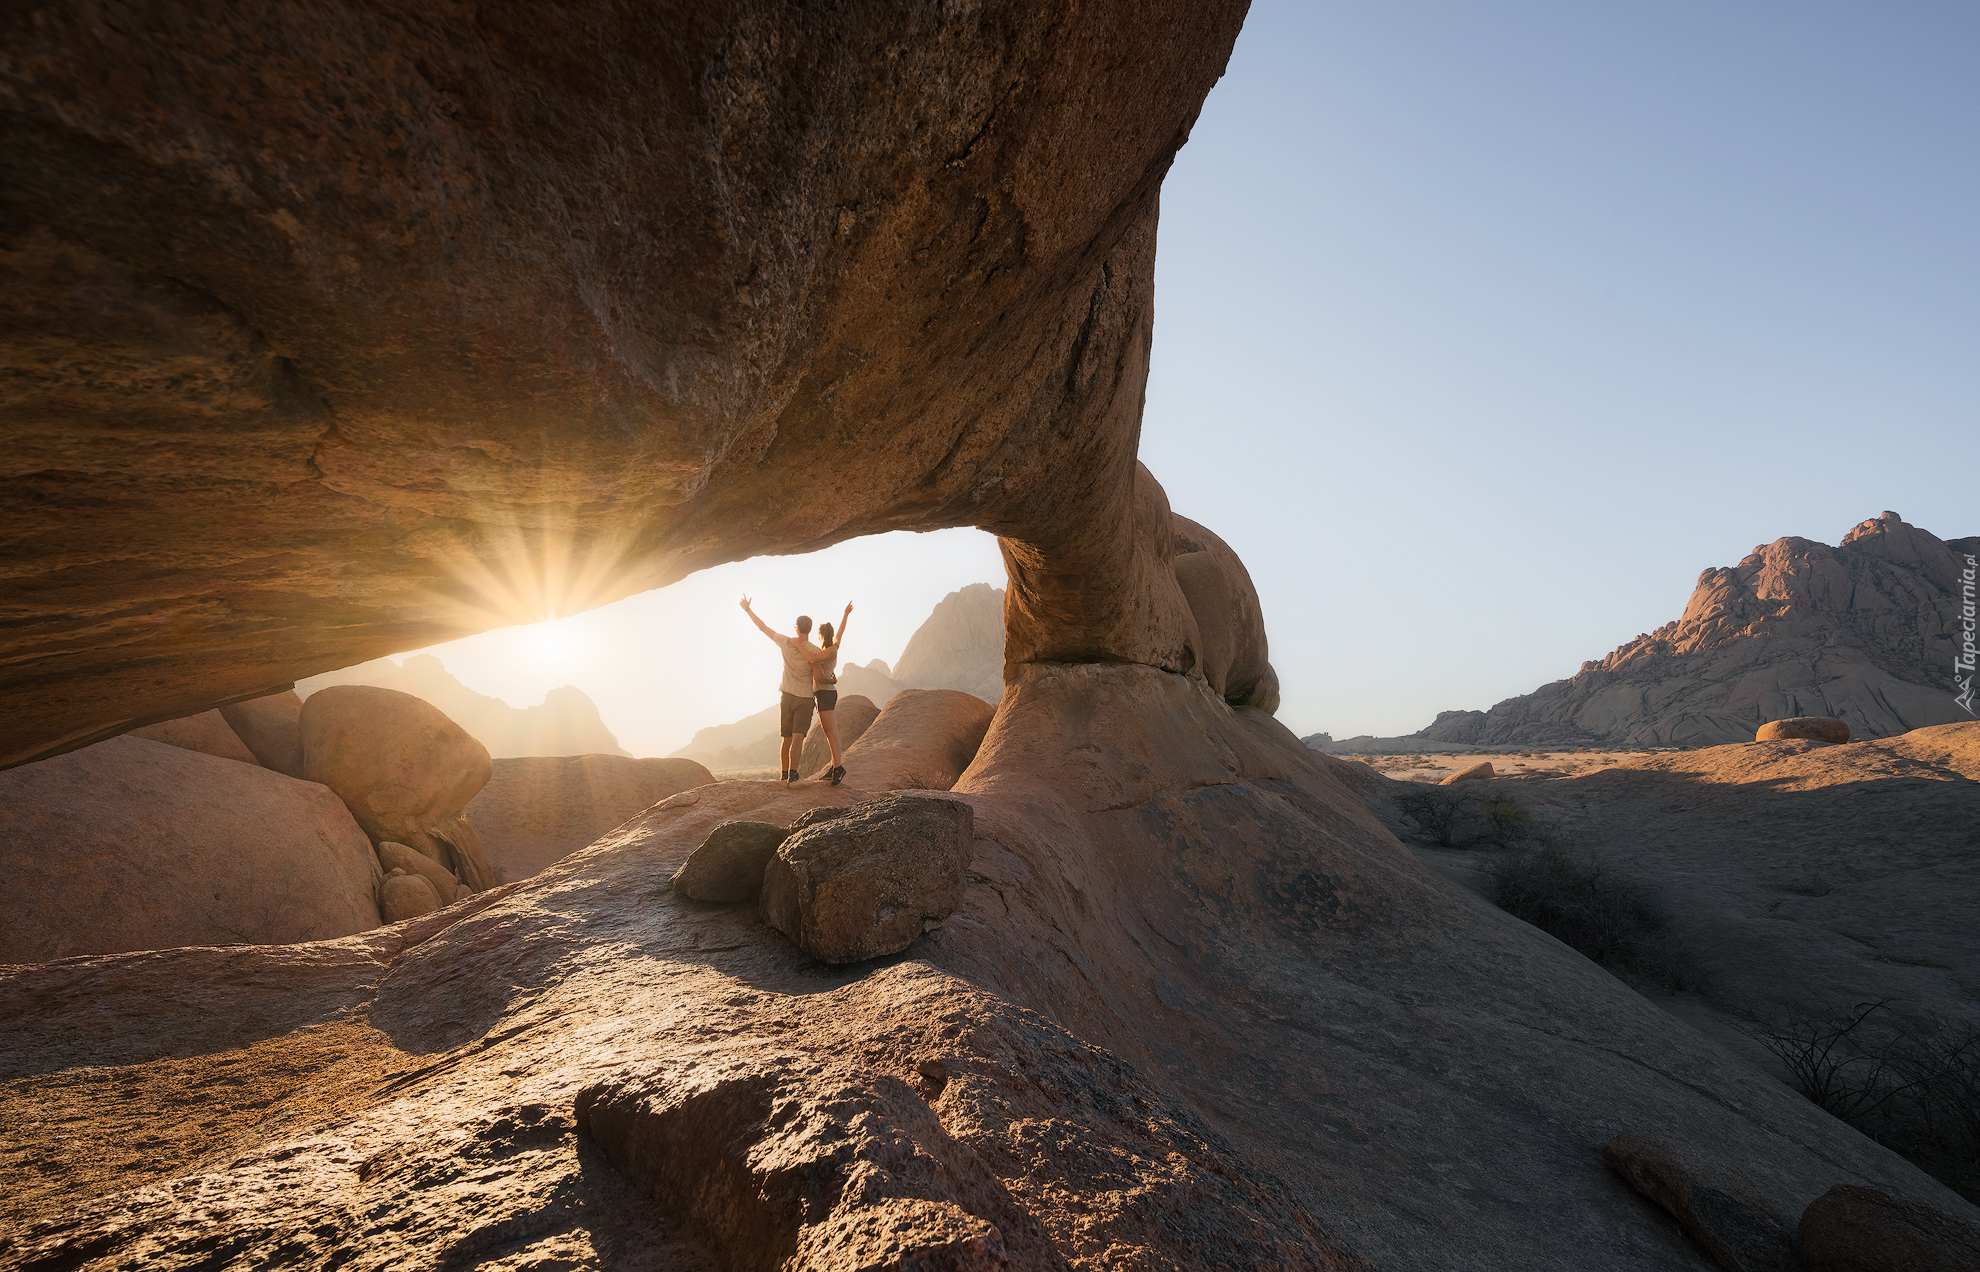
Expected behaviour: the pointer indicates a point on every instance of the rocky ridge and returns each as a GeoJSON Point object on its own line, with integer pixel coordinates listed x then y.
{"type": "Point", "coordinates": [1864, 631]}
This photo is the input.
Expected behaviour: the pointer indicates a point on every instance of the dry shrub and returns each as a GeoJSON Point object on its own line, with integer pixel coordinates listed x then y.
{"type": "Point", "coordinates": [1605, 918]}
{"type": "Point", "coordinates": [1914, 1089]}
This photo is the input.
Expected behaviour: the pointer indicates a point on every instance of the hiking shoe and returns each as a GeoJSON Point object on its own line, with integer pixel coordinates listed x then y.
{"type": "Point", "coordinates": [838, 773]}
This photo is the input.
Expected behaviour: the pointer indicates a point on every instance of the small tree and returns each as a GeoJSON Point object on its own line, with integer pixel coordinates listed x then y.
{"type": "Point", "coordinates": [1505, 820]}
{"type": "Point", "coordinates": [1437, 811]}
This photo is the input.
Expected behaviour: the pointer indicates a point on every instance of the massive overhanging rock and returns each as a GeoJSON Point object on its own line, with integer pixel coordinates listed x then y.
{"type": "Point", "coordinates": [336, 330]}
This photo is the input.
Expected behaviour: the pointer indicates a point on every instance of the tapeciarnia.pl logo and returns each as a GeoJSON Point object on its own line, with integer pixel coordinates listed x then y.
{"type": "Point", "coordinates": [1964, 659]}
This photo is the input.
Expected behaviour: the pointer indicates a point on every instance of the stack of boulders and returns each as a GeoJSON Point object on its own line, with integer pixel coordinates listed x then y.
{"type": "Point", "coordinates": [846, 884]}
{"type": "Point", "coordinates": [218, 828]}
{"type": "Point", "coordinates": [405, 771]}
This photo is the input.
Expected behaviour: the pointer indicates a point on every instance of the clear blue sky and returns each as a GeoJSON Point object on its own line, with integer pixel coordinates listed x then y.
{"type": "Point", "coordinates": [1480, 331]}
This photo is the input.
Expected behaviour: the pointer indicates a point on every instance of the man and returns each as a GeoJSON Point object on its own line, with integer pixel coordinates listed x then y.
{"type": "Point", "coordinates": [794, 706]}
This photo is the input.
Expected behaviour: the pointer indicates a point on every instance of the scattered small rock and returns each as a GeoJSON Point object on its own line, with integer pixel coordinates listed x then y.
{"type": "Point", "coordinates": [1479, 772]}
{"type": "Point", "coordinates": [728, 866]}
{"type": "Point", "coordinates": [1715, 1204]}
{"type": "Point", "coordinates": [1815, 728]}
{"type": "Point", "coordinates": [1853, 1229]}
{"type": "Point", "coordinates": [406, 896]}
{"type": "Point", "coordinates": [860, 886]}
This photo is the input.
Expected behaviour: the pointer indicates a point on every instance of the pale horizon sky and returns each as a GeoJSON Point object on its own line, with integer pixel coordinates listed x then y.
{"type": "Point", "coordinates": [1480, 332]}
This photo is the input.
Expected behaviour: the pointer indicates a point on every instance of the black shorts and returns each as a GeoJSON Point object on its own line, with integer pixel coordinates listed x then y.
{"type": "Point", "coordinates": [827, 699]}
{"type": "Point", "coordinates": [793, 716]}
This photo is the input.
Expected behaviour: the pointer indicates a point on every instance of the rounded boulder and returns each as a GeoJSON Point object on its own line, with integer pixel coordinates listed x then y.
{"type": "Point", "coordinates": [1855, 1229]}
{"type": "Point", "coordinates": [868, 883]}
{"type": "Point", "coordinates": [406, 896]}
{"type": "Point", "coordinates": [404, 770]}
{"type": "Point", "coordinates": [139, 845]}
{"type": "Point", "coordinates": [1814, 728]}
{"type": "Point", "coordinates": [728, 866]}
{"type": "Point", "coordinates": [922, 740]}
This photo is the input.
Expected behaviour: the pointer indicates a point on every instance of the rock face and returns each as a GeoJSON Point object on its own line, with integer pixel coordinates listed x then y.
{"type": "Point", "coordinates": [960, 646]}
{"type": "Point", "coordinates": [1815, 728]}
{"type": "Point", "coordinates": [134, 845]}
{"type": "Point", "coordinates": [728, 866]}
{"type": "Point", "coordinates": [779, 269]}
{"type": "Point", "coordinates": [1716, 1205]}
{"type": "Point", "coordinates": [566, 722]}
{"type": "Point", "coordinates": [207, 733]}
{"type": "Point", "coordinates": [271, 728]}
{"type": "Point", "coordinates": [1864, 632]}
{"type": "Point", "coordinates": [536, 809]}
{"type": "Point", "coordinates": [854, 716]}
{"type": "Point", "coordinates": [1854, 1229]}
{"type": "Point", "coordinates": [870, 882]}
{"type": "Point", "coordinates": [898, 1192]}
{"type": "Point", "coordinates": [1479, 772]}
{"type": "Point", "coordinates": [405, 771]}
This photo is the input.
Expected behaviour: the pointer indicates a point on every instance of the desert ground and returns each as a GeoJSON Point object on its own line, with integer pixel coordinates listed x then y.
{"type": "Point", "coordinates": [1538, 764]}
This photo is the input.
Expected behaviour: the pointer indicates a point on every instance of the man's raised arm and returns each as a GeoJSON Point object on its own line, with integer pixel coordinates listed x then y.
{"type": "Point", "coordinates": [761, 626]}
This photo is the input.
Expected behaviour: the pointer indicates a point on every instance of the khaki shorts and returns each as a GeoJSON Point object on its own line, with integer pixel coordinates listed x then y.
{"type": "Point", "coordinates": [793, 716]}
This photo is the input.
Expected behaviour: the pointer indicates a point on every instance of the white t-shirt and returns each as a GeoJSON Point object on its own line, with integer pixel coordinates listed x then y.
{"type": "Point", "coordinates": [797, 668]}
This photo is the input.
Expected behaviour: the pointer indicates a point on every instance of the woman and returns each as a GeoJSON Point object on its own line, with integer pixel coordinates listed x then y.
{"type": "Point", "coordinates": [825, 688]}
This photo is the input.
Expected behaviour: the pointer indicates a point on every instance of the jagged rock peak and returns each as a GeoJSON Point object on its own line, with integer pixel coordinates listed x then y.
{"type": "Point", "coordinates": [1862, 631]}
{"type": "Point", "coordinates": [961, 646]}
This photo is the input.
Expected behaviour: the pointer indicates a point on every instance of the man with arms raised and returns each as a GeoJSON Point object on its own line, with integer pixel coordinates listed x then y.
{"type": "Point", "coordinates": [794, 704]}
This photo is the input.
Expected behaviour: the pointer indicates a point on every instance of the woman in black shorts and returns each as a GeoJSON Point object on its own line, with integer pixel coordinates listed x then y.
{"type": "Point", "coordinates": [825, 689]}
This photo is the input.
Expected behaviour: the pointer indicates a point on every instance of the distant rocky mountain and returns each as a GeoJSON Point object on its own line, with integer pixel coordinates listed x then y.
{"type": "Point", "coordinates": [750, 742]}
{"type": "Point", "coordinates": [1864, 631]}
{"type": "Point", "coordinates": [959, 646]}
{"type": "Point", "coordinates": [565, 723]}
